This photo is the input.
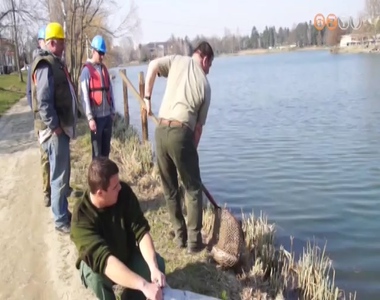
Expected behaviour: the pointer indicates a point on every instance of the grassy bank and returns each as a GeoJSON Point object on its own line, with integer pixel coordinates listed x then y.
{"type": "Point", "coordinates": [11, 90]}
{"type": "Point", "coordinates": [269, 272]}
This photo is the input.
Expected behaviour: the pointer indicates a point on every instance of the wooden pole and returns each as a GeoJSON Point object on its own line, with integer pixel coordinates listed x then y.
{"type": "Point", "coordinates": [125, 97]}
{"type": "Point", "coordinates": [144, 114]}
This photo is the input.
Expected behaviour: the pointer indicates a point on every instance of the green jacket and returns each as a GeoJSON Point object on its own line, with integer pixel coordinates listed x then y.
{"type": "Point", "coordinates": [116, 230]}
{"type": "Point", "coordinates": [52, 99]}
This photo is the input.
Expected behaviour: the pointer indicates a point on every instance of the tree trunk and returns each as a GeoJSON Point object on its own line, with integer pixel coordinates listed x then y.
{"type": "Point", "coordinates": [17, 57]}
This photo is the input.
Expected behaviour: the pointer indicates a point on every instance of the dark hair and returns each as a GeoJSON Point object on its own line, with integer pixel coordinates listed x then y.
{"type": "Point", "coordinates": [204, 49]}
{"type": "Point", "coordinates": [100, 171]}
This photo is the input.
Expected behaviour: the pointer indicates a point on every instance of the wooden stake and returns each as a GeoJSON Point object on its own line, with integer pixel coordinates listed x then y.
{"type": "Point", "coordinates": [144, 115]}
{"type": "Point", "coordinates": [125, 97]}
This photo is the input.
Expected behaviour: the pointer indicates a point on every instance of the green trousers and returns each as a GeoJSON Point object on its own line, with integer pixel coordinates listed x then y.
{"type": "Point", "coordinates": [101, 285]}
{"type": "Point", "coordinates": [45, 165]}
{"type": "Point", "coordinates": [177, 154]}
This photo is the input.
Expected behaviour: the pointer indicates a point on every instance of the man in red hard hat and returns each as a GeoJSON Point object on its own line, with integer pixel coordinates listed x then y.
{"type": "Point", "coordinates": [97, 98]}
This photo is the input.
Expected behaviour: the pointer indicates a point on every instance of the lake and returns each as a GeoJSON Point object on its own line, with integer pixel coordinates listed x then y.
{"type": "Point", "coordinates": [297, 136]}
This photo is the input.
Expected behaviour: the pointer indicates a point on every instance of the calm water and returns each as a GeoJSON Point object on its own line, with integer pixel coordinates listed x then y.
{"type": "Point", "coordinates": [298, 136]}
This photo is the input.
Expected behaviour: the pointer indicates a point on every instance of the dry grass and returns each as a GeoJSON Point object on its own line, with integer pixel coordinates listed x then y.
{"type": "Point", "coordinates": [267, 271]}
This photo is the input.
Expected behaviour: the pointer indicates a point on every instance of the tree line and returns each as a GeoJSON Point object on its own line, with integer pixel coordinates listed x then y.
{"type": "Point", "coordinates": [82, 19]}
{"type": "Point", "coordinates": [301, 35]}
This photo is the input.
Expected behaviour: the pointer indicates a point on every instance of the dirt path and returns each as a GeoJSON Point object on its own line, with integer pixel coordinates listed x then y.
{"type": "Point", "coordinates": [36, 262]}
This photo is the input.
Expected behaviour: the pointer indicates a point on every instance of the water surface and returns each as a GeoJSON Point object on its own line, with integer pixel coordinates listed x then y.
{"type": "Point", "coordinates": [297, 136]}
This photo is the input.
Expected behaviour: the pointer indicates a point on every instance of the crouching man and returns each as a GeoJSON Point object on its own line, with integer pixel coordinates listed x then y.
{"type": "Point", "coordinates": [112, 237]}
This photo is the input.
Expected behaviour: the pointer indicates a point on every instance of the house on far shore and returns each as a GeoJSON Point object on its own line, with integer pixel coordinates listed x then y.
{"type": "Point", "coordinates": [350, 40]}
{"type": "Point", "coordinates": [7, 60]}
{"type": "Point", "coordinates": [160, 49]}
{"type": "Point", "coordinates": [157, 49]}
{"type": "Point", "coordinates": [356, 39]}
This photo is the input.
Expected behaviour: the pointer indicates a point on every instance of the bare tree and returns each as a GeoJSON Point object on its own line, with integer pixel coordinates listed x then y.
{"type": "Point", "coordinates": [373, 15]}
{"type": "Point", "coordinates": [16, 15]}
{"type": "Point", "coordinates": [82, 19]}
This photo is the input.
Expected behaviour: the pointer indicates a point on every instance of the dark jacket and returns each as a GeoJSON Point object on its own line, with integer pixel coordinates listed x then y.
{"type": "Point", "coordinates": [53, 100]}
{"type": "Point", "coordinates": [116, 230]}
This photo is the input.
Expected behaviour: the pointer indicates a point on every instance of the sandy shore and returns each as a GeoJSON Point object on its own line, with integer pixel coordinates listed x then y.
{"type": "Point", "coordinates": [37, 263]}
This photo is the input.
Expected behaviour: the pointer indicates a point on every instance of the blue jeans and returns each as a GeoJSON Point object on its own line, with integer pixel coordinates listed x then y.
{"type": "Point", "coordinates": [57, 148]}
{"type": "Point", "coordinates": [101, 140]}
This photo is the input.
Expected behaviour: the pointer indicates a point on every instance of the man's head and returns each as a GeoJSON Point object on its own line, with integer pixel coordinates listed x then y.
{"type": "Point", "coordinates": [55, 38]}
{"type": "Point", "coordinates": [99, 49]}
{"type": "Point", "coordinates": [103, 181]}
{"type": "Point", "coordinates": [41, 37]}
{"type": "Point", "coordinates": [205, 55]}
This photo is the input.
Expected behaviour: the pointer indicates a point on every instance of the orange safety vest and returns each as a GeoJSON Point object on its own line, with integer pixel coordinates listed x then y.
{"type": "Point", "coordinates": [96, 88]}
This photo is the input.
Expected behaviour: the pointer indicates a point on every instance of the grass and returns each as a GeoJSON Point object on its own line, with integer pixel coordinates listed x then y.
{"type": "Point", "coordinates": [267, 272]}
{"type": "Point", "coordinates": [11, 90]}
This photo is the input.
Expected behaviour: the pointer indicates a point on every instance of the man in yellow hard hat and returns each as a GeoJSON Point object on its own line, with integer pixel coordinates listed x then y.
{"type": "Point", "coordinates": [55, 117]}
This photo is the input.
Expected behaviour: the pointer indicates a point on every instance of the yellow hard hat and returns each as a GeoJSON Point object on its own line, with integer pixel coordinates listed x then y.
{"type": "Point", "coordinates": [54, 31]}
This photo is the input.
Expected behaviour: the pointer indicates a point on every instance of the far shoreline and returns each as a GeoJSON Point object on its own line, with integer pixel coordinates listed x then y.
{"type": "Point", "coordinates": [254, 52]}
{"type": "Point", "coordinates": [251, 52]}
{"type": "Point", "coordinates": [248, 52]}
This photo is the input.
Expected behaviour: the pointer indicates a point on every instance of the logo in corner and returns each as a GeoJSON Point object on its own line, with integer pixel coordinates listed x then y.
{"type": "Point", "coordinates": [331, 22]}
{"type": "Point", "coordinates": [319, 22]}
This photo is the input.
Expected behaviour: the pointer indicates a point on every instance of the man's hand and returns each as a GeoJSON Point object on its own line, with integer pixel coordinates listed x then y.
{"type": "Point", "coordinates": [92, 125]}
{"type": "Point", "coordinates": [148, 106]}
{"type": "Point", "coordinates": [57, 131]}
{"type": "Point", "coordinates": [152, 291]}
{"type": "Point", "coordinates": [157, 277]}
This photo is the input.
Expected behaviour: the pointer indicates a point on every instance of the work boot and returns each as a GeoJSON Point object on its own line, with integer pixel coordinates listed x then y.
{"type": "Point", "coordinates": [195, 248]}
{"type": "Point", "coordinates": [47, 201]}
{"type": "Point", "coordinates": [180, 242]}
{"type": "Point", "coordinates": [65, 229]}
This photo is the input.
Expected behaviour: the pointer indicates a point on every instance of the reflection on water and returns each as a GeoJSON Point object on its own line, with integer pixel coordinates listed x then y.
{"type": "Point", "coordinates": [297, 136]}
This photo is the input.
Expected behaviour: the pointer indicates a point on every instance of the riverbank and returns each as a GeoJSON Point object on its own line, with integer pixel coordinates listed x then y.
{"type": "Point", "coordinates": [250, 52]}
{"type": "Point", "coordinates": [11, 90]}
{"type": "Point", "coordinates": [269, 270]}
{"type": "Point", "coordinates": [354, 50]}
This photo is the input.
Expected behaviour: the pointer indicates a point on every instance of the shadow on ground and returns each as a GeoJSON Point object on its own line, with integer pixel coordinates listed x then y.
{"type": "Point", "coordinates": [17, 129]}
{"type": "Point", "coordinates": [201, 278]}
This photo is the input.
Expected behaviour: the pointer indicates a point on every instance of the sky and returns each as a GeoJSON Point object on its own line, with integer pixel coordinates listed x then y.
{"type": "Point", "coordinates": [162, 18]}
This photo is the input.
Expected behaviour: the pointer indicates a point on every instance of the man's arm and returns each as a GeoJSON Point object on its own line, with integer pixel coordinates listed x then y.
{"type": "Point", "coordinates": [148, 252]}
{"type": "Point", "coordinates": [85, 95]}
{"type": "Point", "coordinates": [122, 275]}
{"type": "Point", "coordinates": [94, 251]}
{"type": "Point", "coordinates": [45, 96]}
{"type": "Point", "coordinates": [157, 67]}
{"type": "Point", "coordinates": [202, 116]}
{"type": "Point", "coordinates": [141, 228]}
{"type": "Point", "coordinates": [197, 134]}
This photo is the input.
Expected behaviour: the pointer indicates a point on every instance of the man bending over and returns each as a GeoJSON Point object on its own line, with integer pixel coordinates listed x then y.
{"type": "Point", "coordinates": [112, 237]}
